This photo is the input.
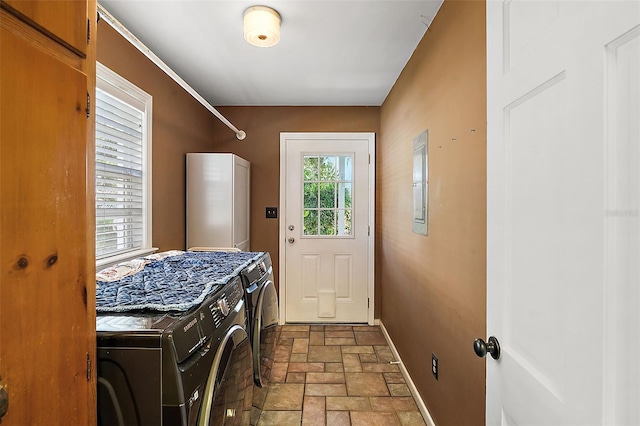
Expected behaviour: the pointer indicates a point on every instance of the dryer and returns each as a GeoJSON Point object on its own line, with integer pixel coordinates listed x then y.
{"type": "Point", "coordinates": [177, 369]}
{"type": "Point", "coordinates": [262, 312]}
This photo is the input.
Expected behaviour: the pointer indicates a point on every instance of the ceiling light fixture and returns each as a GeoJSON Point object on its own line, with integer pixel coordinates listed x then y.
{"type": "Point", "coordinates": [261, 26]}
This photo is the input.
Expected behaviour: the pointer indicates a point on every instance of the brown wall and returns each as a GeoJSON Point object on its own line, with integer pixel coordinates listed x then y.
{"type": "Point", "coordinates": [180, 125]}
{"type": "Point", "coordinates": [433, 288]}
{"type": "Point", "coordinates": [262, 148]}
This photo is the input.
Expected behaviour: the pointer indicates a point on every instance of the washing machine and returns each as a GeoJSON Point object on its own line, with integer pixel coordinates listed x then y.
{"type": "Point", "coordinates": [185, 369]}
{"type": "Point", "coordinates": [262, 312]}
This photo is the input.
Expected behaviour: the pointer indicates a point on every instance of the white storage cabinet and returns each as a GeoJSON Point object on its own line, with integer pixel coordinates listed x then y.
{"type": "Point", "coordinates": [218, 194]}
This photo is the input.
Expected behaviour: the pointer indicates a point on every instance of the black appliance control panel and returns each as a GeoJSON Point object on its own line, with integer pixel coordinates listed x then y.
{"type": "Point", "coordinates": [186, 337]}
{"type": "Point", "coordinates": [194, 329]}
{"type": "Point", "coordinates": [257, 271]}
{"type": "Point", "coordinates": [215, 310]}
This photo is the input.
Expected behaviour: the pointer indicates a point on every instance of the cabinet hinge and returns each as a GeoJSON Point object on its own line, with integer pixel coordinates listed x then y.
{"type": "Point", "coordinates": [369, 158]}
{"type": "Point", "coordinates": [88, 105]}
{"type": "Point", "coordinates": [368, 300]}
{"type": "Point", "coordinates": [368, 230]}
{"type": "Point", "coordinates": [88, 367]}
{"type": "Point", "coordinates": [88, 31]}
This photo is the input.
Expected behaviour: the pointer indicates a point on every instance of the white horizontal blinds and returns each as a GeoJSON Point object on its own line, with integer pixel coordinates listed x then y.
{"type": "Point", "coordinates": [119, 176]}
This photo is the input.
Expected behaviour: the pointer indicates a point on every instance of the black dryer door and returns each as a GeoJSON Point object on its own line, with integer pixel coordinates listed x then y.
{"type": "Point", "coordinates": [228, 394]}
{"type": "Point", "coordinates": [264, 333]}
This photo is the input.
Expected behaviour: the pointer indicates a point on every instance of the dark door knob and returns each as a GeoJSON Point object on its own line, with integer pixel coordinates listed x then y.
{"type": "Point", "coordinates": [492, 347]}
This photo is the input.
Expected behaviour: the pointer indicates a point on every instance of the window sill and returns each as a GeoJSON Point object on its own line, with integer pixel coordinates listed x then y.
{"type": "Point", "coordinates": [112, 260]}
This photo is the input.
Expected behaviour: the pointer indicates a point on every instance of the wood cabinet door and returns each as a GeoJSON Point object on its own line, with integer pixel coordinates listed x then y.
{"type": "Point", "coordinates": [63, 20]}
{"type": "Point", "coordinates": [45, 338]}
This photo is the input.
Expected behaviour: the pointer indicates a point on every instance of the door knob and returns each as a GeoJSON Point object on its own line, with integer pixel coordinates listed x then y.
{"type": "Point", "coordinates": [4, 402]}
{"type": "Point", "coordinates": [492, 347]}
{"type": "Point", "coordinates": [291, 240]}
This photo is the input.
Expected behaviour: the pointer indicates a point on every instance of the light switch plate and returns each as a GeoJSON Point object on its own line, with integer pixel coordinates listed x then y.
{"type": "Point", "coordinates": [272, 213]}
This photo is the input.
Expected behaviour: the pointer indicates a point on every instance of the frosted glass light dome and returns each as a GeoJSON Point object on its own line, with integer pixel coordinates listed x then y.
{"type": "Point", "coordinates": [261, 26]}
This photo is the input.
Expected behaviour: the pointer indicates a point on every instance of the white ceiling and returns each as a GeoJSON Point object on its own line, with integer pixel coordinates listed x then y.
{"type": "Point", "coordinates": [330, 52]}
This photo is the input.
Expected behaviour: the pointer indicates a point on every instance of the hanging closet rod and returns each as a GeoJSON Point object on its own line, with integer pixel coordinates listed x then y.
{"type": "Point", "coordinates": [116, 25]}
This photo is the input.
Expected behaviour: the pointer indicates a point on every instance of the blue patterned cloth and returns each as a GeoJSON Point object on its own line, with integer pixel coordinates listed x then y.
{"type": "Point", "coordinates": [176, 283]}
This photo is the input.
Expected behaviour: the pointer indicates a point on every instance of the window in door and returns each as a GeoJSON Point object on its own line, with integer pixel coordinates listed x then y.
{"type": "Point", "coordinates": [327, 195]}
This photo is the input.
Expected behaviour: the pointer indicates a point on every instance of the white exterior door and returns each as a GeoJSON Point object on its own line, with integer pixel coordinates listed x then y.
{"type": "Point", "coordinates": [563, 235]}
{"type": "Point", "coordinates": [326, 247]}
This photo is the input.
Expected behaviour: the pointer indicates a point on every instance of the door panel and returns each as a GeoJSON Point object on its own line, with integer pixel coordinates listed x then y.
{"type": "Point", "coordinates": [241, 203]}
{"type": "Point", "coordinates": [47, 327]}
{"type": "Point", "coordinates": [64, 20]}
{"type": "Point", "coordinates": [325, 229]}
{"type": "Point", "coordinates": [622, 230]}
{"type": "Point", "coordinates": [562, 247]}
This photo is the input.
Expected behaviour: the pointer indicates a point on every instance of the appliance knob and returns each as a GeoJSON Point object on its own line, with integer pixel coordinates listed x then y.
{"type": "Point", "coordinates": [223, 307]}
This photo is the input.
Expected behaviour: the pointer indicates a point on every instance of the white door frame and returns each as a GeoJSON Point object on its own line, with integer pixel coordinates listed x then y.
{"type": "Point", "coordinates": [370, 136]}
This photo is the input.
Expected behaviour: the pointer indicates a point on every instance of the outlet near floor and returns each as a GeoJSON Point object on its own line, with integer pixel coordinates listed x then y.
{"type": "Point", "coordinates": [434, 365]}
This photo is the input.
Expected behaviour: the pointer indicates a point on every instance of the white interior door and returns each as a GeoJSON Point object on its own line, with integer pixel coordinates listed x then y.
{"type": "Point", "coordinates": [326, 247]}
{"type": "Point", "coordinates": [563, 259]}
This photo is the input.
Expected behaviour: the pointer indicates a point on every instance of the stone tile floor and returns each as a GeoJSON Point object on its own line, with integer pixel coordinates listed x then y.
{"type": "Point", "coordinates": [336, 375]}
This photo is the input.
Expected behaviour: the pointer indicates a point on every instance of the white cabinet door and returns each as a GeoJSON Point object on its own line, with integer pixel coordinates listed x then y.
{"type": "Point", "coordinates": [241, 203]}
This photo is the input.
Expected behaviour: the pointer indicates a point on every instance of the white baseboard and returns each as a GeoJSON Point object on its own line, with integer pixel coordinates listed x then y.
{"type": "Point", "coordinates": [412, 387]}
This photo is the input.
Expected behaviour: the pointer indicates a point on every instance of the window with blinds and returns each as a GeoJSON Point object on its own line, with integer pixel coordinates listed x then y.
{"type": "Point", "coordinates": [122, 175]}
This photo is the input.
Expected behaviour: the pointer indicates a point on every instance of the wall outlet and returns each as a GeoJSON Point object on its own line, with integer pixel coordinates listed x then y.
{"type": "Point", "coordinates": [272, 213]}
{"type": "Point", "coordinates": [434, 365]}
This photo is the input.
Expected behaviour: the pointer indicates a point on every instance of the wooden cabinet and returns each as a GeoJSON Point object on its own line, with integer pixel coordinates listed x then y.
{"type": "Point", "coordinates": [64, 21]}
{"type": "Point", "coordinates": [47, 260]}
